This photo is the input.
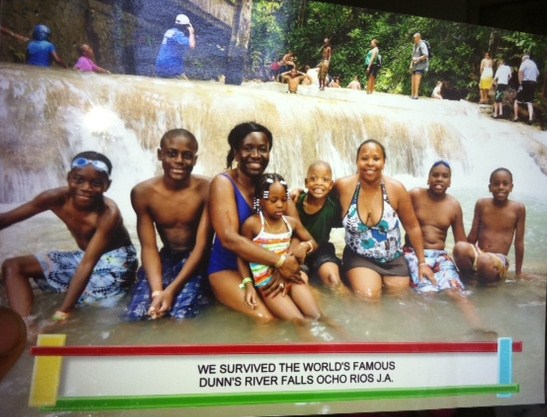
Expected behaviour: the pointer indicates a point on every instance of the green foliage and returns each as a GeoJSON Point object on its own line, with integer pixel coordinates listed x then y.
{"type": "Point", "coordinates": [267, 33]}
{"type": "Point", "coordinates": [301, 26]}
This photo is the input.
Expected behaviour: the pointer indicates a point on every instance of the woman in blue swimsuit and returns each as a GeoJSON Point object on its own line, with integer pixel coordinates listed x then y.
{"type": "Point", "coordinates": [375, 207]}
{"type": "Point", "coordinates": [230, 204]}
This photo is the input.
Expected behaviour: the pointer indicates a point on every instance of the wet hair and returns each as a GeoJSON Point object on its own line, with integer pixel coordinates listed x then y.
{"type": "Point", "coordinates": [440, 162]}
{"type": "Point", "coordinates": [375, 142]}
{"type": "Point", "coordinates": [94, 156]}
{"type": "Point", "coordinates": [262, 188]}
{"type": "Point", "coordinates": [173, 133]}
{"type": "Point", "coordinates": [240, 132]}
{"type": "Point", "coordinates": [494, 172]}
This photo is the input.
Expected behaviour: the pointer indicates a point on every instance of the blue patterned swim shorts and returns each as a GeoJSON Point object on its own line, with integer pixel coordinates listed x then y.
{"type": "Point", "coordinates": [440, 263]}
{"type": "Point", "coordinates": [111, 278]}
{"type": "Point", "coordinates": [192, 298]}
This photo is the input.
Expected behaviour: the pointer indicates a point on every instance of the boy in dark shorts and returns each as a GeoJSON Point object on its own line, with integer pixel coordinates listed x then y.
{"type": "Point", "coordinates": [171, 281]}
{"type": "Point", "coordinates": [319, 213]}
{"type": "Point", "coordinates": [104, 266]}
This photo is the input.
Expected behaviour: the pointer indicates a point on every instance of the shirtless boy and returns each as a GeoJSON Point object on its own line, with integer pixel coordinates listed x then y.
{"type": "Point", "coordinates": [326, 54]}
{"type": "Point", "coordinates": [170, 281]}
{"type": "Point", "coordinates": [105, 264]}
{"type": "Point", "coordinates": [294, 78]}
{"type": "Point", "coordinates": [496, 222]}
{"type": "Point", "coordinates": [436, 212]}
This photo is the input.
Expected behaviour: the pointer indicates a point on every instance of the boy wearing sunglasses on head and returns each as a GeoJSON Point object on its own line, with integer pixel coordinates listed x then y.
{"type": "Point", "coordinates": [104, 265]}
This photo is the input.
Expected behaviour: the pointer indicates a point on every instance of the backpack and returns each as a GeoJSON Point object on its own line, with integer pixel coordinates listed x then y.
{"type": "Point", "coordinates": [429, 53]}
{"type": "Point", "coordinates": [379, 61]}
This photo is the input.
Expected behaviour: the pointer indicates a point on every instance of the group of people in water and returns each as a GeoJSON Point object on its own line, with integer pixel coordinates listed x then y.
{"type": "Point", "coordinates": [257, 248]}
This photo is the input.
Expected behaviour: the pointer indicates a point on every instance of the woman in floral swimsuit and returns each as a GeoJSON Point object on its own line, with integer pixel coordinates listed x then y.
{"type": "Point", "coordinates": [375, 207]}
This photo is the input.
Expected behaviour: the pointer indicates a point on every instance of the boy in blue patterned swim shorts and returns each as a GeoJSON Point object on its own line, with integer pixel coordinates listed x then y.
{"type": "Point", "coordinates": [436, 212]}
{"type": "Point", "coordinates": [104, 266]}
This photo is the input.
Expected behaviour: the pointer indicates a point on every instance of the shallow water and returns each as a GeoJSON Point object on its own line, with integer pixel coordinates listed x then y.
{"type": "Point", "coordinates": [515, 309]}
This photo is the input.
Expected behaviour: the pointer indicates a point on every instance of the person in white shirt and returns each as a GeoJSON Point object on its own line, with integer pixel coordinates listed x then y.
{"type": "Point", "coordinates": [528, 75]}
{"type": "Point", "coordinates": [501, 81]}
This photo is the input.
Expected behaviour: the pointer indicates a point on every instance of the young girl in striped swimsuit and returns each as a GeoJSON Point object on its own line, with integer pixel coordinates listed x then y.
{"type": "Point", "coordinates": [271, 229]}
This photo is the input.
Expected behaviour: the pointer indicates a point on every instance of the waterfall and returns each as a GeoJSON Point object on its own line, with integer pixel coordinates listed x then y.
{"type": "Point", "coordinates": [48, 115]}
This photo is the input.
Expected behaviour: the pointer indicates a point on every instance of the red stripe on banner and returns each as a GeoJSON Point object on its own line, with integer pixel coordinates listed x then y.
{"type": "Point", "coordinates": [271, 349]}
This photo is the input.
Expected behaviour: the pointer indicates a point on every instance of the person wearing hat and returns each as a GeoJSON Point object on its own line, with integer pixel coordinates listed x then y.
{"type": "Point", "coordinates": [170, 60]}
{"type": "Point", "coordinates": [419, 64]}
{"type": "Point", "coordinates": [527, 75]}
{"type": "Point", "coordinates": [40, 51]}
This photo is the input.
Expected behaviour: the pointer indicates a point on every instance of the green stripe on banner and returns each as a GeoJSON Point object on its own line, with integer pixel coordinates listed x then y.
{"type": "Point", "coordinates": [215, 400]}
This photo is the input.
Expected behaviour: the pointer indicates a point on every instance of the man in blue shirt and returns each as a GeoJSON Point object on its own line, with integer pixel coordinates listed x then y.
{"type": "Point", "coordinates": [170, 60]}
{"type": "Point", "coordinates": [40, 51]}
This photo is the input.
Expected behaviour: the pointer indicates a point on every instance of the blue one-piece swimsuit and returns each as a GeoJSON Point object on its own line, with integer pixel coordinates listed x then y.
{"type": "Point", "coordinates": [221, 258]}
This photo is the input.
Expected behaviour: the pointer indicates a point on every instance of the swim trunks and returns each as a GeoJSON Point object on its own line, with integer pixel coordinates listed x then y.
{"type": "Point", "coordinates": [374, 71]}
{"type": "Point", "coordinates": [274, 242]}
{"type": "Point", "coordinates": [324, 253]}
{"type": "Point", "coordinates": [527, 93]}
{"type": "Point", "coordinates": [501, 261]}
{"type": "Point", "coordinates": [111, 278]}
{"type": "Point", "coordinates": [221, 258]}
{"type": "Point", "coordinates": [441, 264]}
{"type": "Point", "coordinates": [500, 92]}
{"type": "Point", "coordinates": [323, 69]}
{"type": "Point", "coordinates": [188, 303]}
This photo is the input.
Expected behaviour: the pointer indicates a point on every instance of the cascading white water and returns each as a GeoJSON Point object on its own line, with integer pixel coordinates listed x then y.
{"type": "Point", "coordinates": [48, 115]}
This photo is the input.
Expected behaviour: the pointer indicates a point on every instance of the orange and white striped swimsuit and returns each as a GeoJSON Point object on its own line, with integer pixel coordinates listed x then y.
{"type": "Point", "coordinates": [274, 242]}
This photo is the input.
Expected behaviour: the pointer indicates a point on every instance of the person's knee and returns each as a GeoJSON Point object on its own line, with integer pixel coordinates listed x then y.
{"type": "Point", "coordinates": [462, 250]}
{"type": "Point", "coordinates": [395, 284]}
{"type": "Point", "coordinates": [10, 268]}
{"type": "Point", "coordinates": [265, 318]}
{"type": "Point", "coordinates": [13, 340]}
{"type": "Point", "coordinates": [368, 294]}
{"type": "Point", "coordinates": [334, 279]}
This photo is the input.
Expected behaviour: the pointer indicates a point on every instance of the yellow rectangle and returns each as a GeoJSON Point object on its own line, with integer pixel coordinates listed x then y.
{"type": "Point", "coordinates": [46, 374]}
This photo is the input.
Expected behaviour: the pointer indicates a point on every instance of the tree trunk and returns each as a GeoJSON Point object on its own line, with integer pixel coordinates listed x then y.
{"type": "Point", "coordinates": [302, 9]}
{"type": "Point", "coordinates": [239, 42]}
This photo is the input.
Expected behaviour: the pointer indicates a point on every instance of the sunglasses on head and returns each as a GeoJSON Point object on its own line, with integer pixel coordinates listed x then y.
{"type": "Point", "coordinates": [96, 164]}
